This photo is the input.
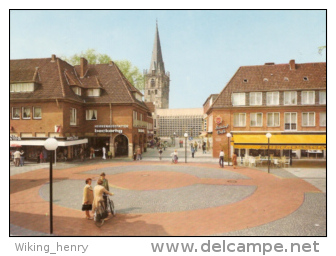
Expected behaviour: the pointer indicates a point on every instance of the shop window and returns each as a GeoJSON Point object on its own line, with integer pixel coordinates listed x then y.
{"type": "Point", "coordinates": [323, 97]}
{"type": "Point", "coordinates": [91, 114]}
{"type": "Point", "coordinates": [37, 113]}
{"type": "Point", "coordinates": [15, 113]}
{"type": "Point", "coordinates": [290, 98]}
{"type": "Point", "coordinates": [308, 119]}
{"type": "Point", "coordinates": [255, 98]}
{"type": "Point", "coordinates": [273, 119]}
{"type": "Point", "coordinates": [238, 99]}
{"type": "Point", "coordinates": [290, 121]}
{"type": "Point", "coordinates": [272, 98]}
{"type": "Point", "coordinates": [308, 97]}
{"type": "Point", "coordinates": [239, 120]}
{"type": "Point", "coordinates": [26, 113]}
{"type": "Point", "coordinates": [323, 119]}
{"type": "Point", "coordinates": [73, 116]}
{"type": "Point", "coordinates": [256, 119]}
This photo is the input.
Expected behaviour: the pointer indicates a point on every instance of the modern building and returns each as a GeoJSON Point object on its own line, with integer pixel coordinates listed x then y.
{"type": "Point", "coordinates": [83, 106]}
{"type": "Point", "coordinates": [176, 122]}
{"type": "Point", "coordinates": [286, 100]}
{"type": "Point", "coordinates": [157, 80]}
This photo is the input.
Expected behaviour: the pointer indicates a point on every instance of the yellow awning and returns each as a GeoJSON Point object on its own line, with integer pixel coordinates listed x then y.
{"type": "Point", "coordinates": [281, 141]}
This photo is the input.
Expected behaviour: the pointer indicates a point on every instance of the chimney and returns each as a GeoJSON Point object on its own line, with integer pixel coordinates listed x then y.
{"type": "Point", "coordinates": [110, 63]}
{"type": "Point", "coordinates": [83, 67]}
{"type": "Point", "coordinates": [292, 64]}
{"type": "Point", "coordinates": [53, 58]}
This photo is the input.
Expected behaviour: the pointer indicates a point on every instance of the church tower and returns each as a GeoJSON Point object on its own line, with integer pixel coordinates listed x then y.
{"type": "Point", "coordinates": [156, 79]}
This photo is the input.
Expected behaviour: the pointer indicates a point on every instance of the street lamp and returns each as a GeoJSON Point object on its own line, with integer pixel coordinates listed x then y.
{"type": "Point", "coordinates": [51, 144]}
{"type": "Point", "coordinates": [185, 136]}
{"type": "Point", "coordinates": [268, 135]}
{"type": "Point", "coordinates": [174, 138]}
{"type": "Point", "coordinates": [228, 135]}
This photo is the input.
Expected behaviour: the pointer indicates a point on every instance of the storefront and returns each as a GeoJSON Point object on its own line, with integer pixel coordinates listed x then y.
{"type": "Point", "coordinates": [68, 148]}
{"type": "Point", "coordinates": [294, 145]}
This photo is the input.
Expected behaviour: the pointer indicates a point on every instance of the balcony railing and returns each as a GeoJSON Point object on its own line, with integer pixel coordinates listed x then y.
{"type": "Point", "coordinates": [139, 123]}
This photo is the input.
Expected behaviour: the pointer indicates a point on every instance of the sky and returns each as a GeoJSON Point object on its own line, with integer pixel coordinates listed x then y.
{"type": "Point", "coordinates": [202, 49]}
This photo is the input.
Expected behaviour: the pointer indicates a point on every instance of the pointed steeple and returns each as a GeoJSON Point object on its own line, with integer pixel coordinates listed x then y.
{"type": "Point", "coordinates": [157, 60]}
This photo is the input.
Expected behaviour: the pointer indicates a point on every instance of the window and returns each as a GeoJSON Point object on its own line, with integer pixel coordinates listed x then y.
{"type": "Point", "coordinates": [239, 120]}
{"type": "Point", "coordinates": [155, 92]}
{"type": "Point", "coordinates": [255, 98]}
{"type": "Point", "coordinates": [77, 90]}
{"type": "Point", "coordinates": [135, 115]}
{"type": "Point", "coordinates": [272, 98]}
{"type": "Point", "coordinates": [91, 114]}
{"type": "Point", "coordinates": [15, 113]}
{"type": "Point", "coordinates": [152, 82]}
{"type": "Point", "coordinates": [323, 97]}
{"type": "Point", "coordinates": [290, 121]}
{"type": "Point", "coordinates": [148, 92]}
{"type": "Point", "coordinates": [273, 119]}
{"type": "Point", "coordinates": [308, 97]}
{"type": "Point", "coordinates": [22, 87]}
{"type": "Point", "coordinates": [290, 98]}
{"type": "Point", "coordinates": [25, 113]}
{"type": "Point", "coordinates": [238, 99]}
{"type": "Point", "coordinates": [140, 117]}
{"type": "Point", "coordinates": [73, 116]}
{"type": "Point", "coordinates": [37, 113]}
{"type": "Point", "coordinates": [256, 119]}
{"type": "Point", "coordinates": [323, 119]}
{"type": "Point", "coordinates": [93, 92]}
{"type": "Point", "coordinates": [308, 119]}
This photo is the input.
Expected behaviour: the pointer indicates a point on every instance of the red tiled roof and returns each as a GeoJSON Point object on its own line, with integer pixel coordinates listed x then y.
{"type": "Point", "coordinates": [151, 106]}
{"type": "Point", "coordinates": [271, 77]}
{"type": "Point", "coordinates": [57, 77]}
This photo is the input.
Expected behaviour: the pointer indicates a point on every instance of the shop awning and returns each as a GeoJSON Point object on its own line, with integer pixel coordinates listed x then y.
{"type": "Point", "coordinates": [41, 142]}
{"type": "Point", "coordinates": [281, 141]}
{"type": "Point", "coordinates": [204, 134]}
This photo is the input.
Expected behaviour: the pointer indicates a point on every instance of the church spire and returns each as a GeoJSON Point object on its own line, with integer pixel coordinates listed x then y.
{"type": "Point", "coordinates": [157, 61]}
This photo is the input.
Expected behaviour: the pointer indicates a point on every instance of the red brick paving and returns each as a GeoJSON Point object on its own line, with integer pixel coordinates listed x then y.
{"type": "Point", "coordinates": [273, 199]}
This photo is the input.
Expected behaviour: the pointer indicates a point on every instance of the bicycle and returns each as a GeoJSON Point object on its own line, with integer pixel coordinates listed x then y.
{"type": "Point", "coordinates": [101, 212]}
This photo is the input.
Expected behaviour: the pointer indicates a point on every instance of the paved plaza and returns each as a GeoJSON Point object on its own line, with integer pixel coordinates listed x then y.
{"type": "Point", "coordinates": [157, 198]}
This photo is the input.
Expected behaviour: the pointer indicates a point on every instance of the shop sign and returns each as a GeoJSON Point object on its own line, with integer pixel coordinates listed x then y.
{"type": "Point", "coordinates": [72, 138]}
{"type": "Point", "coordinates": [141, 130]}
{"type": "Point", "coordinates": [221, 129]}
{"type": "Point", "coordinates": [218, 120]}
{"type": "Point", "coordinates": [109, 128]}
{"type": "Point", "coordinates": [14, 137]}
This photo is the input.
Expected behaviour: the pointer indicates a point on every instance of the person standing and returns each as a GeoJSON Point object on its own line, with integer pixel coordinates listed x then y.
{"type": "Point", "coordinates": [104, 153]}
{"type": "Point", "coordinates": [88, 198]}
{"type": "Point", "coordinates": [203, 148]}
{"type": "Point", "coordinates": [175, 156]}
{"type": "Point", "coordinates": [192, 152]}
{"type": "Point", "coordinates": [138, 153]}
{"type": "Point", "coordinates": [98, 194]}
{"type": "Point", "coordinates": [195, 146]}
{"type": "Point", "coordinates": [160, 153]}
{"type": "Point", "coordinates": [221, 158]}
{"type": "Point", "coordinates": [21, 158]}
{"type": "Point", "coordinates": [105, 184]}
{"type": "Point", "coordinates": [17, 156]}
{"type": "Point", "coordinates": [81, 154]}
{"type": "Point", "coordinates": [91, 152]}
{"type": "Point", "coordinates": [234, 160]}
{"type": "Point", "coordinates": [41, 157]}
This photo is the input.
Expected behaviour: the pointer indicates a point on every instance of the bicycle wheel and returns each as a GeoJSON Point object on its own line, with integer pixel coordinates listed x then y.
{"type": "Point", "coordinates": [99, 221]}
{"type": "Point", "coordinates": [112, 208]}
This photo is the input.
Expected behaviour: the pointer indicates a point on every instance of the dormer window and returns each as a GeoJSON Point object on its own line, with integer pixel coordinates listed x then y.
{"type": "Point", "coordinates": [138, 96]}
{"type": "Point", "coordinates": [77, 90]}
{"type": "Point", "coordinates": [22, 87]}
{"type": "Point", "coordinates": [93, 92]}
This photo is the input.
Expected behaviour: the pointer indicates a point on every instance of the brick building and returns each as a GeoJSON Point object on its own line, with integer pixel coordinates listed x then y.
{"type": "Point", "coordinates": [286, 100]}
{"type": "Point", "coordinates": [82, 106]}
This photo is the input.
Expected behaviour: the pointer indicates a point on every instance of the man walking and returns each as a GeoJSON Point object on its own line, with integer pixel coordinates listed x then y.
{"type": "Point", "coordinates": [221, 158]}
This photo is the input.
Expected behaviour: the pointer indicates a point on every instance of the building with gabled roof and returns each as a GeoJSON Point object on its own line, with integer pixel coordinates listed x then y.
{"type": "Point", "coordinates": [286, 100]}
{"type": "Point", "coordinates": [93, 103]}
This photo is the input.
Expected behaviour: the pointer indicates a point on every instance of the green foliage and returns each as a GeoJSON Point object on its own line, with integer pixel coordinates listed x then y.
{"type": "Point", "coordinates": [132, 73]}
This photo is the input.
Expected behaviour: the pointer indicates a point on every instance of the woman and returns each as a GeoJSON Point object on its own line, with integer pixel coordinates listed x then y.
{"type": "Point", "coordinates": [98, 192]}
{"type": "Point", "coordinates": [88, 197]}
{"type": "Point", "coordinates": [234, 160]}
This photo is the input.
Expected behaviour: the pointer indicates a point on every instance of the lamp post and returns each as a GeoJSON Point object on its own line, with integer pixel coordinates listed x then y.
{"type": "Point", "coordinates": [51, 144]}
{"type": "Point", "coordinates": [174, 138]}
{"type": "Point", "coordinates": [185, 136]}
{"type": "Point", "coordinates": [228, 135]}
{"type": "Point", "coordinates": [268, 135]}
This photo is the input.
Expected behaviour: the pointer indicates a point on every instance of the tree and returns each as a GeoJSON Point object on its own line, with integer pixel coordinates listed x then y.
{"type": "Point", "coordinates": [131, 72]}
